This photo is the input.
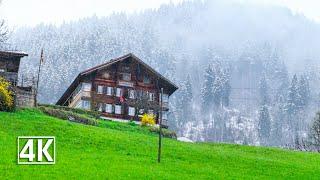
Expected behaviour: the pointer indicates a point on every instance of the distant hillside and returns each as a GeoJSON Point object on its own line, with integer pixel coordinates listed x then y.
{"type": "Point", "coordinates": [89, 152]}
{"type": "Point", "coordinates": [245, 43]}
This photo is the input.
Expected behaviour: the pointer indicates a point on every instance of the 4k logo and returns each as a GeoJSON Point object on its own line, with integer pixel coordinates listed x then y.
{"type": "Point", "coordinates": [36, 150]}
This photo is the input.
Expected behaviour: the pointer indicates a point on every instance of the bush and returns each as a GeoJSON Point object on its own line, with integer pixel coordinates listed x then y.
{"type": "Point", "coordinates": [92, 114]}
{"type": "Point", "coordinates": [6, 96]}
{"type": "Point", "coordinates": [132, 123]}
{"type": "Point", "coordinates": [165, 132]}
{"type": "Point", "coordinates": [68, 115]}
{"type": "Point", "coordinates": [148, 120]}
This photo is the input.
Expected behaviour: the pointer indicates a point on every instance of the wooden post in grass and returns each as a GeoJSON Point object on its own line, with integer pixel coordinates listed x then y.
{"type": "Point", "coordinates": [160, 127]}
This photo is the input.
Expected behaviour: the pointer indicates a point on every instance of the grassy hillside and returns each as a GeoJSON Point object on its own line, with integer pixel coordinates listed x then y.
{"type": "Point", "coordinates": [109, 152]}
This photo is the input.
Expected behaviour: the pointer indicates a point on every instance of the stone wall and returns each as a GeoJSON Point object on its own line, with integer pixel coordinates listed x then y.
{"type": "Point", "coordinates": [24, 97]}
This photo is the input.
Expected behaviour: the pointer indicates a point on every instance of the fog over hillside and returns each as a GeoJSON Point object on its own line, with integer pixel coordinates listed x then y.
{"type": "Point", "coordinates": [247, 73]}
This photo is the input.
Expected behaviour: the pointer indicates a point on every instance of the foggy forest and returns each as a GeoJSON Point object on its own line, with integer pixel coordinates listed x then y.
{"type": "Point", "coordinates": [247, 74]}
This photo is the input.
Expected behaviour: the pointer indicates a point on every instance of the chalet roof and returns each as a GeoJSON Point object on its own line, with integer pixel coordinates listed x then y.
{"type": "Point", "coordinates": [12, 54]}
{"type": "Point", "coordinates": [75, 83]}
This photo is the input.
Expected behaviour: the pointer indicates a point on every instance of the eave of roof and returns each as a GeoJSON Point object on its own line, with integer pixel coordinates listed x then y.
{"type": "Point", "coordinates": [13, 53]}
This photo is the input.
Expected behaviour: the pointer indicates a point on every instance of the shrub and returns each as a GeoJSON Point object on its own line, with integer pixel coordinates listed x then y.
{"type": "Point", "coordinates": [132, 123]}
{"type": "Point", "coordinates": [92, 114]}
{"type": "Point", "coordinates": [165, 132]}
{"type": "Point", "coordinates": [6, 96]}
{"type": "Point", "coordinates": [148, 119]}
{"type": "Point", "coordinates": [68, 115]}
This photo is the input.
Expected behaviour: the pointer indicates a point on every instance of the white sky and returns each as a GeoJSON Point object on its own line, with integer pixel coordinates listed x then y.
{"type": "Point", "coordinates": [32, 12]}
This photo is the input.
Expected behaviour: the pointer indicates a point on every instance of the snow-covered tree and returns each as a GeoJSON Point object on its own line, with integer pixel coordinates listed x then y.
{"type": "Point", "coordinates": [184, 107]}
{"type": "Point", "coordinates": [293, 98]}
{"type": "Point", "coordinates": [263, 91]}
{"type": "Point", "coordinates": [303, 91]}
{"type": "Point", "coordinates": [207, 89]}
{"type": "Point", "coordinates": [226, 90]}
{"type": "Point", "coordinates": [3, 31]}
{"type": "Point", "coordinates": [264, 125]}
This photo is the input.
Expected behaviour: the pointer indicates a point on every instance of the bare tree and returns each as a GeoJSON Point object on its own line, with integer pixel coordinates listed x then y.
{"type": "Point", "coordinates": [3, 31]}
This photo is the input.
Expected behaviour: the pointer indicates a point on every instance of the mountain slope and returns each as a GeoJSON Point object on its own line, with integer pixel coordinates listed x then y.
{"type": "Point", "coordinates": [92, 152]}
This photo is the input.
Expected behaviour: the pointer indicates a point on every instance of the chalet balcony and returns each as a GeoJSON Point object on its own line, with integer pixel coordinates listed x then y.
{"type": "Point", "coordinates": [10, 76]}
{"type": "Point", "coordinates": [78, 97]}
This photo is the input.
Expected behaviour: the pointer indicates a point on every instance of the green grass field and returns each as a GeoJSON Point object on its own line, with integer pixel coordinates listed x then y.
{"type": "Point", "coordinates": [121, 151]}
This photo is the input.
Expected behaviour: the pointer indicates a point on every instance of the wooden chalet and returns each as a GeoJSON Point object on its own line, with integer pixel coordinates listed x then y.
{"type": "Point", "coordinates": [115, 89]}
{"type": "Point", "coordinates": [9, 68]}
{"type": "Point", "coordinates": [9, 65]}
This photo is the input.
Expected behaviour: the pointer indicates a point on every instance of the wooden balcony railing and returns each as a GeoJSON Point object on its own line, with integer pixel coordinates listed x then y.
{"type": "Point", "coordinates": [78, 97]}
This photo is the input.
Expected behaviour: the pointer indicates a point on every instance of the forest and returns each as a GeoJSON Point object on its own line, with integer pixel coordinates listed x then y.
{"type": "Point", "coordinates": [247, 74]}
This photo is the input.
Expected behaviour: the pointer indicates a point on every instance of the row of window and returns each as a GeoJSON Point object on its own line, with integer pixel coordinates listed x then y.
{"type": "Point", "coordinates": [127, 77]}
{"type": "Point", "coordinates": [116, 109]}
{"type": "Point", "coordinates": [118, 92]}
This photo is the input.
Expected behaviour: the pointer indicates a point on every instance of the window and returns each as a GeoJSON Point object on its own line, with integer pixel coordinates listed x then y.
{"type": "Point", "coordinates": [117, 109]}
{"type": "Point", "coordinates": [86, 104]}
{"type": "Point", "coordinates": [118, 92]}
{"type": "Point", "coordinates": [109, 91]}
{"type": "Point", "coordinates": [126, 76]}
{"type": "Point", "coordinates": [100, 107]}
{"type": "Point", "coordinates": [146, 79]}
{"type": "Point", "coordinates": [165, 98]}
{"type": "Point", "coordinates": [131, 111]}
{"type": "Point", "coordinates": [86, 86]}
{"type": "Point", "coordinates": [150, 111]}
{"type": "Point", "coordinates": [109, 108]}
{"type": "Point", "coordinates": [132, 94]}
{"type": "Point", "coordinates": [100, 89]}
{"type": "Point", "coordinates": [164, 115]}
{"type": "Point", "coordinates": [151, 96]}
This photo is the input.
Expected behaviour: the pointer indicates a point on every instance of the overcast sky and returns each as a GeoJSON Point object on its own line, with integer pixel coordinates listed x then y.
{"type": "Point", "coordinates": [32, 12]}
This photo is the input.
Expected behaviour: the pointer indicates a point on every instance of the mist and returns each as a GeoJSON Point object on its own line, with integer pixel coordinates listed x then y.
{"type": "Point", "coordinates": [250, 52]}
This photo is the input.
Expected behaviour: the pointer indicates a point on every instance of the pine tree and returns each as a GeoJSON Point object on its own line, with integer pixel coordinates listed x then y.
{"type": "Point", "coordinates": [226, 88]}
{"type": "Point", "coordinates": [207, 89]}
{"type": "Point", "coordinates": [184, 106]}
{"type": "Point", "coordinates": [315, 132]}
{"type": "Point", "coordinates": [293, 97]}
{"type": "Point", "coordinates": [283, 84]}
{"type": "Point", "coordinates": [264, 125]}
{"type": "Point", "coordinates": [263, 91]}
{"type": "Point", "coordinates": [218, 90]}
{"type": "Point", "coordinates": [303, 91]}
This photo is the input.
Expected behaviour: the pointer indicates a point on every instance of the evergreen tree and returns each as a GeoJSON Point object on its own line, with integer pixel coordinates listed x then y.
{"type": "Point", "coordinates": [293, 97]}
{"type": "Point", "coordinates": [263, 91]}
{"type": "Point", "coordinates": [283, 84]}
{"type": "Point", "coordinates": [207, 89]}
{"type": "Point", "coordinates": [218, 90]}
{"type": "Point", "coordinates": [303, 91]}
{"type": "Point", "coordinates": [184, 106]}
{"type": "Point", "coordinates": [315, 132]}
{"type": "Point", "coordinates": [264, 125]}
{"type": "Point", "coordinates": [226, 88]}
